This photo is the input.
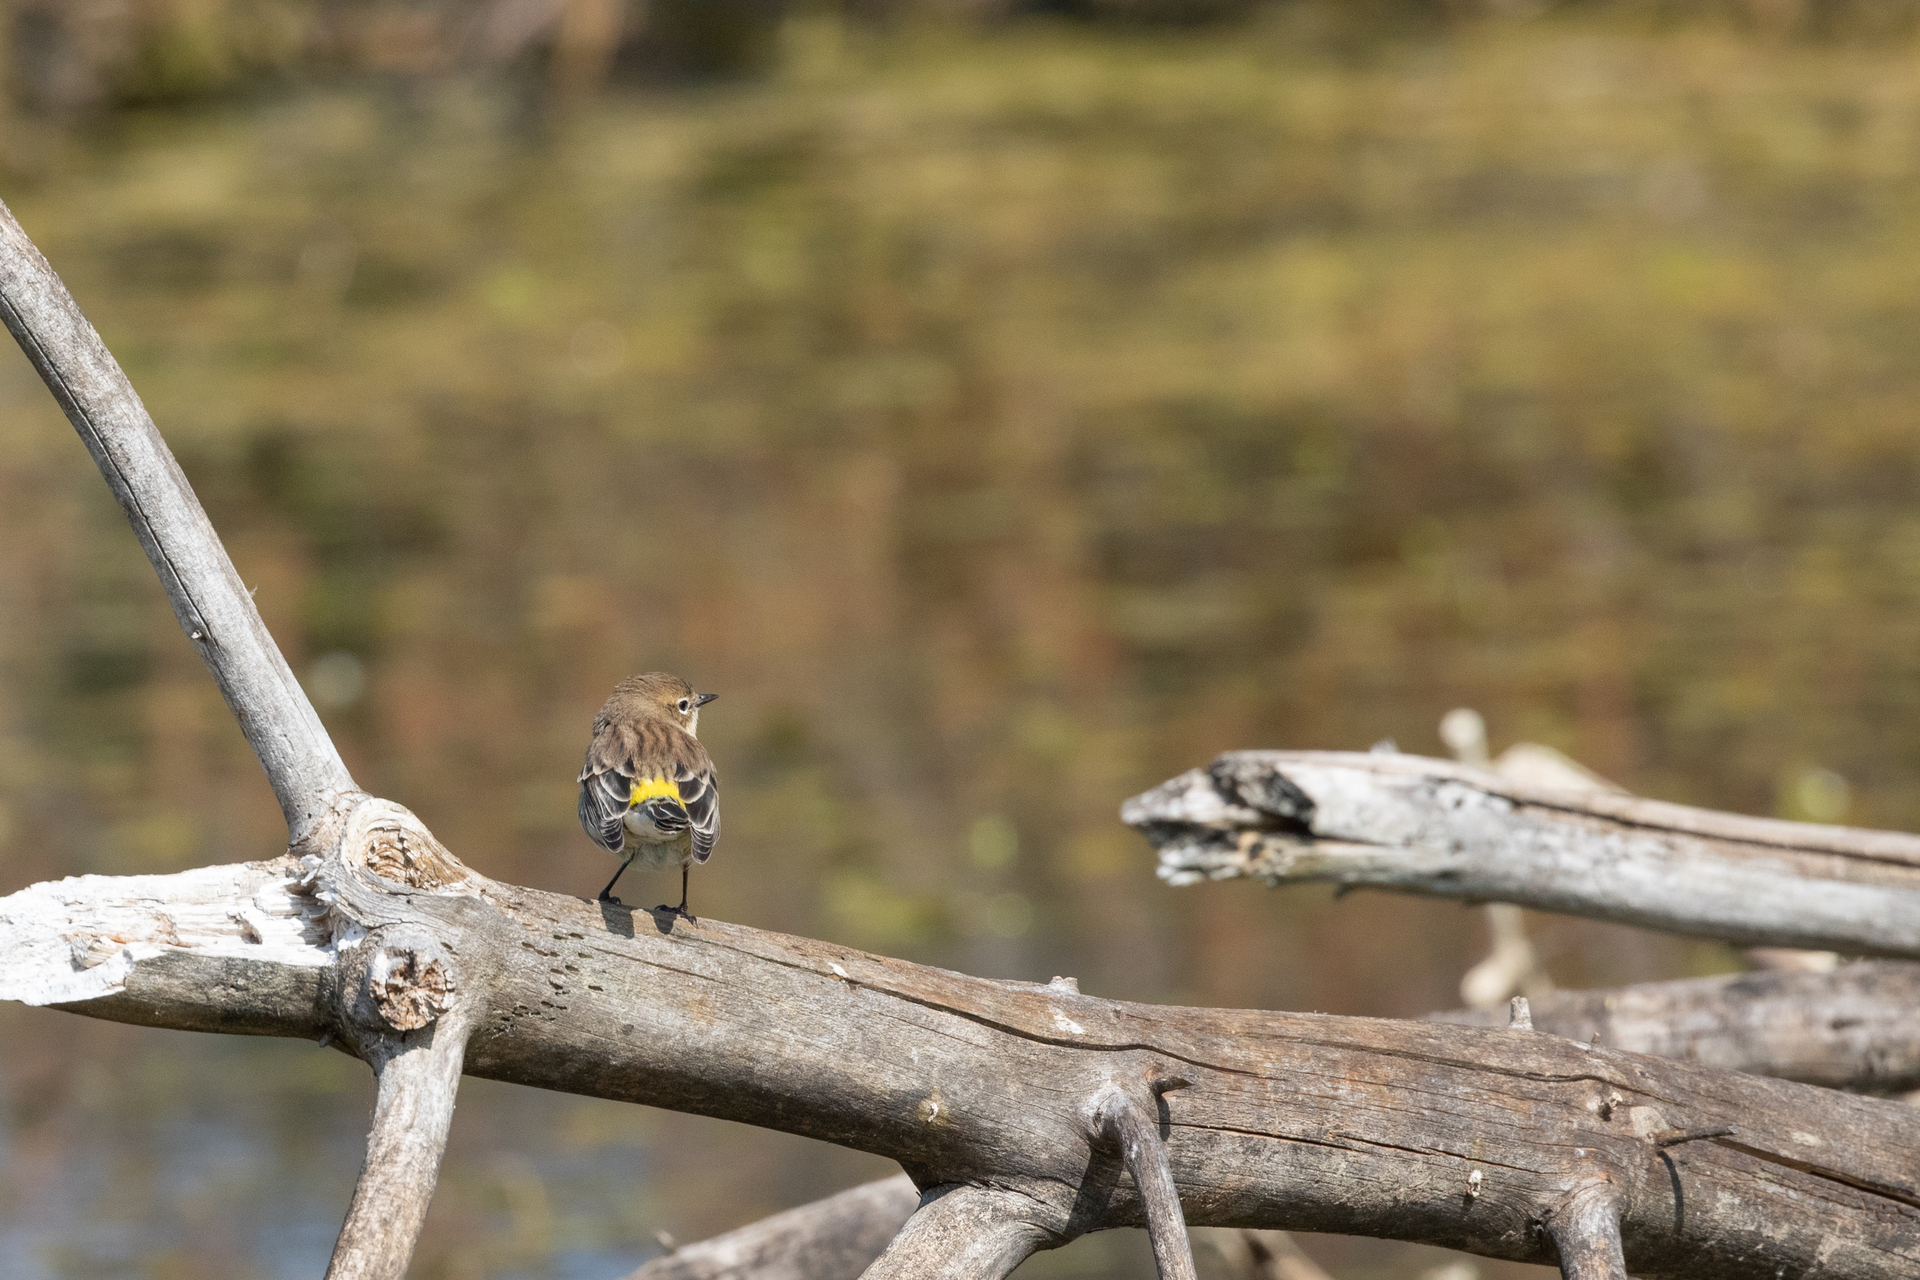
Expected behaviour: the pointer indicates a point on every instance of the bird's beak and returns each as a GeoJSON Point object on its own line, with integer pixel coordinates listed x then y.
{"type": "Point", "coordinates": [703, 699]}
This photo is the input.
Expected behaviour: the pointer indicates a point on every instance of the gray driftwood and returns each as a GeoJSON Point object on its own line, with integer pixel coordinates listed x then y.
{"type": "Point", "coordinates": [991, 1095]}
{"type": "Point", "coordinates": [1291, 1121]}
{"type": "Point", "coordinates": [838, 1236]}
{"type": "Point", "coordinates": [1857, 1027]}
{"type": "Point", "coordinates": [1417, 825]}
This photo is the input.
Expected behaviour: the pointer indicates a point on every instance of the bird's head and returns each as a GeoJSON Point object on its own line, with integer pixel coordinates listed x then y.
{"type": "Point", "coordinates": [661, 694]}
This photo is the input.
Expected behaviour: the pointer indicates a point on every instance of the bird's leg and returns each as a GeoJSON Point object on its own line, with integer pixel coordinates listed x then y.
{"type": "Point", "coordinates": [681, 910]}
{"type": "Point", "coordinates": [606, 894]}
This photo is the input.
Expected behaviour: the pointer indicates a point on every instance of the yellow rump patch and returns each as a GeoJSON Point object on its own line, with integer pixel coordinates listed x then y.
{"type": "Point", "coordinates": [645, 789]}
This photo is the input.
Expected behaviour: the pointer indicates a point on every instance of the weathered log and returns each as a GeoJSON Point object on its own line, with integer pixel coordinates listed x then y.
{"type": "Point", "coordinates": [1290, 1121]}
{"type": "Point", "coordinates": [1851, 1028]}
{"type": "Point", "coordinates": [1856, 1027]}
{"type": "Point", "coordinates": [838, 1236]}
{"type": "Point", "coordinates": [1432, 827]}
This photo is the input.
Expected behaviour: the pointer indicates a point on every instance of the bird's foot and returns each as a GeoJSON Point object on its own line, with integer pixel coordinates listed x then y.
{"type": "Point", "coordinates": [680, 911]}
{"type": "Point", "coordinates": [607, 897]}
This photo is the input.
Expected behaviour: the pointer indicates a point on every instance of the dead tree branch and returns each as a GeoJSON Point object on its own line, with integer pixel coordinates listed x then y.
{"type": "Point", "coordinates": [1291, 1121]}
{"type": "Point", "coordinates": [1436, 828]}
{"type": "Point", "coordinates": [1853, 1028]}
{"type": "Point", "coordinates": [399, 982]}
{"type": "Point", "coordinates": [1121, 1119]}
{"type": "Point", "coordinates": [208, 597]}
{"type": "Point", "coordinates": [838, 1236]}
{"type": "Point", "coordinates": [1586, 1235]}
{"type": "Point", "coordinates": [964, 1232]}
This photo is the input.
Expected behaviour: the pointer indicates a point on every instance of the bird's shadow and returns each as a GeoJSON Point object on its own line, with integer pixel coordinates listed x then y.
{"type": "Point", "coordinates": [618, 917]}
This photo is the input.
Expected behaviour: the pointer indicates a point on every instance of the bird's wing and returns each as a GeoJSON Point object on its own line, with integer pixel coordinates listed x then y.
{"type": "Point", "coordinates": [606, 787]}
{"type": "Point", "coordinates": [700, 796]}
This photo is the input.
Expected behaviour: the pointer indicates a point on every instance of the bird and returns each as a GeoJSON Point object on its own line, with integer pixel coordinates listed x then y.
{"type": "Point", "coordinates": [648, 791]}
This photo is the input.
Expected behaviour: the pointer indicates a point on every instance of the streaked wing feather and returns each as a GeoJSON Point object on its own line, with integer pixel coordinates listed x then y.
{"type": "Point", "coordinates": [606, 787]}
{"type": "Point", "coordinates": [700, 793]}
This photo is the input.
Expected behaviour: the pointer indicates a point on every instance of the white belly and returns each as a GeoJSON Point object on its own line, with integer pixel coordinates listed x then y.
{"type": "Point", "coordinates": [653, 849]}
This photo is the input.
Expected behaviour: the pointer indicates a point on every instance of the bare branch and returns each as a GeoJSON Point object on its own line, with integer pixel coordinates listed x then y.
{"type": "Point", "coordinates": [838, 1236]}
{"type": "Point", "coordinates": [1122, 1120]}
{"type": "Point", "coordinates": [1851, 1028]}
{"type": "Point", "coordinates": [208, 598]}
{"type": "Point", "coordinates": [418, 1080]}
{"type": "Point", "coordinates": [963, 1233]}
{"type": "Point", "coordinates": [1586, 1233]}
{"type": "Point", "coordinates": [1432, 827]}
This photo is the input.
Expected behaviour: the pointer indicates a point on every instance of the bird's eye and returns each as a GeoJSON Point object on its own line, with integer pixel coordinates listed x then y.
{"type": "Point", "coordinates": [684, 704]}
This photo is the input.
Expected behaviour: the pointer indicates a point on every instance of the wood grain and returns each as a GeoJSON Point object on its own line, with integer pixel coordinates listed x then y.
{"type": "Point", "coordinates": [1855, 1027]}
{"type": "Point", "coordinates": [1290, 1121]}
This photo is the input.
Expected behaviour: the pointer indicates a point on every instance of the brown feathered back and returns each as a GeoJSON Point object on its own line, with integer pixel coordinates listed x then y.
{"type": "Point", "coordinates": [641, 738]}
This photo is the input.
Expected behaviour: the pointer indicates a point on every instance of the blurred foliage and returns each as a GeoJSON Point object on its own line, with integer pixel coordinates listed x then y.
{"type": "Point", "coordinates": [1003, 415]}
{"type": "Point", "coordinates": [64, 56]}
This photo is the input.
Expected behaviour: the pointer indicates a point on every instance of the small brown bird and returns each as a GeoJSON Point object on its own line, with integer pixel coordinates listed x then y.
{"type": "Point", "coordinates": [648, 792]}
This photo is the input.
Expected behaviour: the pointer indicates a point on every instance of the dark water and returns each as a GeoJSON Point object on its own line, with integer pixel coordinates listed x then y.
{"type": "Point", "coordinates": [1002, 424]}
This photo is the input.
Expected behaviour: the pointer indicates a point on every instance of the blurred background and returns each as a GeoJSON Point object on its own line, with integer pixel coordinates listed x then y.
{"type": "Point", "coordinates": [1004, 406]}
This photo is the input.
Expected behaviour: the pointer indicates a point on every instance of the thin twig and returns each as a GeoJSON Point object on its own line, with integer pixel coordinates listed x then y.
{"type": "Point", "coordinates": [1674, 1137]}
